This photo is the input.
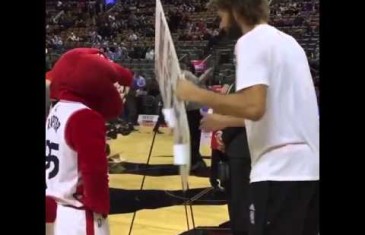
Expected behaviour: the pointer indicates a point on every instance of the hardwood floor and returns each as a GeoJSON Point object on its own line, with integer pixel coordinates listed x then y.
{"type": "Point", "coordinates": [160, 208]}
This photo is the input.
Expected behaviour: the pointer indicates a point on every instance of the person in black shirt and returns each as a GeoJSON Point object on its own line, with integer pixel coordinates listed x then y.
{"type": "Point", "coordinates": [236, 160]}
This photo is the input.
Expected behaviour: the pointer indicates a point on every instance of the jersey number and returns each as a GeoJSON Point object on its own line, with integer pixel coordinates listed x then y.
{"type": "Point", "coordinates": [50, 158]}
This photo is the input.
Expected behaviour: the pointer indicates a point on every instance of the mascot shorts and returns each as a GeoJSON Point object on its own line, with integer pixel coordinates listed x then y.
{"type": "Point", "coordinates": [72, 221]}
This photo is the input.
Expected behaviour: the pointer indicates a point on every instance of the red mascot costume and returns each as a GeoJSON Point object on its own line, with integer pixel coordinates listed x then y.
{"type": "Point", "coordinates": [83, 82]}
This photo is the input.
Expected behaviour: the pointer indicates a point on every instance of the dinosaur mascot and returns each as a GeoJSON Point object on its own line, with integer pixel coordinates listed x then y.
{"type": "Point", "coordinates": [83, 81]}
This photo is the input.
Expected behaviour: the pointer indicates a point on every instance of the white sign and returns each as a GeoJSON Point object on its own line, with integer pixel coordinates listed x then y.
{"type": "Point", "coordinates": [147, 120]}
{"type": "Point", "coordinates": [168, 72]}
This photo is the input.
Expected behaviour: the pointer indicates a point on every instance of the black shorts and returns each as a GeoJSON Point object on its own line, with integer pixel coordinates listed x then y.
{"type": "Point", "coordinates": [284, 208]}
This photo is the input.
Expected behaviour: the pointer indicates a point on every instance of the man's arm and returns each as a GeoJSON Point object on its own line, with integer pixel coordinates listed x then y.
{"type": "Point", "coordinates": [249, 103]}
{"type": "Point", "coordinates": [214, 122]}
{"type": "Point", "coordinates": [230, 121]}
{"type": "Point", "coordinates": [252, 80]}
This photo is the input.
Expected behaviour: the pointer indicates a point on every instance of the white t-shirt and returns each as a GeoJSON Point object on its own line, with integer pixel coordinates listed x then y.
{"type": "Point", "coordinates": [284, 143]}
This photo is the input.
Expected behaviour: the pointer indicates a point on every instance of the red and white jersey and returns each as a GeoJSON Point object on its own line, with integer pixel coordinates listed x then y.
{"type": "Point", "coordinates": [62, 174]}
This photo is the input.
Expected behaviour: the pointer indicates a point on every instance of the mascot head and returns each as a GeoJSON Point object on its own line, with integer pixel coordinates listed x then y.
{"type": "Point", "coordinates": [85, 75]}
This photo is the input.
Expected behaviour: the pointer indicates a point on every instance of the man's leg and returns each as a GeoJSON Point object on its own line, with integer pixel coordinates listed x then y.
{"type": "Point", "coordinates": [131, 103]}
{"type": "Point", "coordinates": [311, 226]}
{"type": "Point", "coordinates": [194, 118]}
{"type": "Point", "coordinates": [216, 157]}
{"type": "Point", "coordinates": [239, 161]}
{"type": "Point", "coordinates": [281, 208]}
{"type": "Point", "coordinates": [159, 122]}
{"type": "Point", "coordinates": [238, 194]}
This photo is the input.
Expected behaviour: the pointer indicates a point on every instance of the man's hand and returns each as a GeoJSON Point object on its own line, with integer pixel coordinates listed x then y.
{"type": "Point", "coordinates": [186, 90]}
{"type": "Point", "coordinates": [212, 122]}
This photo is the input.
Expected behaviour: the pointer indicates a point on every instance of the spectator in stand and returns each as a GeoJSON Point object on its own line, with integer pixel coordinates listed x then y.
{"type": "Point", "coordinates": [118, 55]}
{"type": "Point", "coordinates": [110, 53]}
{"type": "Point", "coordinates": [207, 34]}
{"type": "Point", "coordinates": [105, 42]}
{"type": "Point", "coordinates": [150, 55]}
{"type": "Point", "coordinates": [126, 16]}
{"type": "Point", "coordinates": [57, 42]}
{"type": "Point", "coordinates": [111, 18]}
{"type": "Point", "coordinates": [201, 25]}
{"type": "Point", "coordinates": [132, 21]}
{"type": "Point", "coordinates": [124, 50]}
{"type": "Point", "coordinates": [132, 100]}
{"type": "Point", "coordinates": [100, 6]}
{"type": "Point", "coordinates": [73, 37]}
{"type": "Point", "coordinates": [132, 37]}
{"type": "Point", "coordinates": [59, 6]}
{"type": "Point", "coordinates": [215, 32]}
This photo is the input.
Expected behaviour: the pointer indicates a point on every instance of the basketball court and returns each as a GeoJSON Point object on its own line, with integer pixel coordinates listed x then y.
{"type": "Point", "coordinates": [160, 205]}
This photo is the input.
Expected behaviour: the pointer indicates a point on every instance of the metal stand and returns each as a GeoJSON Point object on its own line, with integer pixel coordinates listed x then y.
{"type": "Point", "coordinates": [155, 129]}
{"type": "Point", "coordinates": [188, 202]}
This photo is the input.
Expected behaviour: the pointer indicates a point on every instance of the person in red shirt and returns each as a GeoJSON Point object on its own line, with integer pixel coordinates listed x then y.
{"type": "Point", "coordinates": [217, 146]}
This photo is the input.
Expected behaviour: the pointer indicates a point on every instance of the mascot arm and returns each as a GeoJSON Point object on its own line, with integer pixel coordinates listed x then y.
{"type": "Point", "coordinates": [86, 134]}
